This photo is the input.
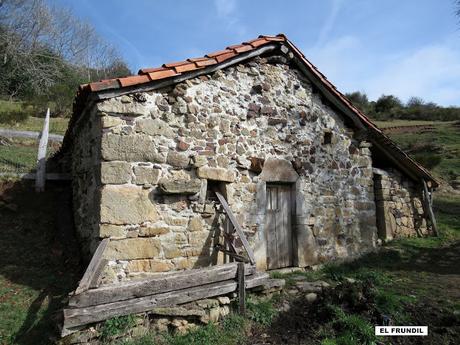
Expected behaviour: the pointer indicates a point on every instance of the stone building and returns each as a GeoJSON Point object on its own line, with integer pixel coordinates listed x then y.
{"type": "Point", "coordinates": [307, 176]}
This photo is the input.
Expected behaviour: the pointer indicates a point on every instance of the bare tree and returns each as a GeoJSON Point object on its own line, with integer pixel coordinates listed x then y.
{"type": "Point", "coordinates": [37, 41]}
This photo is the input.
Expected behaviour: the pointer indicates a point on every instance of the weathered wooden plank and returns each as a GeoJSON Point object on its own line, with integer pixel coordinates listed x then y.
{"type": "Point", "coordinates": [162, 283]}
{"type": "Point", "coordinates": [94, 268]}
{"type": "Point", "coordinates": [41, 155]}
{"type": "Point", "coordinates": [95, 282]}
{"type": "Point", "coordinates": [232, 254]}
{"type": "Point", "coordinates": [241, 289]}
{"type": "Point", "coordinates": [237, 227]}
{"type": "Point", "coordinates": [75, 317]}
{"type": "Point", "coordinates": [428, 208]}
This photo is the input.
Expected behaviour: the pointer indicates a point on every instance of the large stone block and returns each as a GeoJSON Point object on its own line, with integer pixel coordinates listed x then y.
{"type": "Point", "coordinates": [115, 172]}
{"type": "Point", "coordinates": [133, 248]}
{"type": "Point", "coordinates": [120, 105]}
{"type": "Point", "coordinates": [218, 174]}
{"type": "Point", "coordinates": [154, 230]}
{"type": "Point", "coordinates": [178, 160]}
{"type": "Point", "coordinates": [149, 266]}
{"type": "Point", "coordinates": [126, 205]}
{"type": "Point", "coordinates": [131, 148]}
{"type": "Point", "coordinates": [180, 186]}
{"type": "Point", "coordinates": [144, 174]}
{"type": "Point", "coordinates": [154, 127]}
{"type": "Point", "coordinates": [278, 170]}
{"type": "Point", "coordinates": [113, 231]}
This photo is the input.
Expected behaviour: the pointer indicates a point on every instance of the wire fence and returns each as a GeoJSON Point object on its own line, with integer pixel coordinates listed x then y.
{"type": "Point", "coordinates": [19, 155]}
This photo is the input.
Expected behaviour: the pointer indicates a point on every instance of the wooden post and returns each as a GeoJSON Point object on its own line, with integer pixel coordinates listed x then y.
{"type": "Point", "coordinates": [241, 289]}
{"type": "Point", "coordinates": [41, 156]}
{"type": "Point", "coordinates": [428, 201]}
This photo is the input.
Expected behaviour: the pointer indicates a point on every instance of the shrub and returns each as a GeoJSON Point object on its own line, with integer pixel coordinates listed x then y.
{"type": "Point", "coordinates": [261, 312]}
{"type": "Point", "coordinates": [117, 325]}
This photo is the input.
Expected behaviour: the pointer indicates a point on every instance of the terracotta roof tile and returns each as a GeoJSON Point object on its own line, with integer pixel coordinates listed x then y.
{"type": "Point", "coordinates": [104, 85]}
{"type": "Point", "coordinates": [165, 73]}
{"type": "Point", "coordinates": [197, 59]}
{"type": "Point", "coordinates": [257, 42]}
{"type": "Point", "coordinates": [187, 67]}
{"type": "Point", "coordinates": [220, 52]}
{"type": "Point", "coordinates": [174, 64]}
{"type": "Point", "coordinates": [134, 80]}
{"type": "Point", "coordinates": [150, 70]}
{"type": "Point", "coordinates": [207, 62]}
{"type": "Point", "coordinates": [226, 56]}
{"type": "Point", "coordinates": [241, 48]}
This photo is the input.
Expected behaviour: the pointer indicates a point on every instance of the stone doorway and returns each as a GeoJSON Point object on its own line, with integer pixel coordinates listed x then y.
{"type": "Point", "coordinates": [279, 223]}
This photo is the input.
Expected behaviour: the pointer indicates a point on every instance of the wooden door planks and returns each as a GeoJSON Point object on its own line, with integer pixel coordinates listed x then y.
{"type": "Point", "coordinates": [161, 283]}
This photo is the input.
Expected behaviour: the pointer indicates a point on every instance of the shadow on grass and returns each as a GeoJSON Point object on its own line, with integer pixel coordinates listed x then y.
{"type": "Point", "coordinates": [39, 264]}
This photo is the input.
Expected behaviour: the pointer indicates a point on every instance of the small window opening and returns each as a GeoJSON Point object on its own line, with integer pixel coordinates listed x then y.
{"type": "Point", "coordinates": [212, 186]}
{"type": "Point", "coordinates": [327, 138]}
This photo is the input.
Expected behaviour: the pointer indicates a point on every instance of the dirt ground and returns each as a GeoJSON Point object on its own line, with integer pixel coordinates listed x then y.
{"type": "Point", "coordinates": [429, 278]}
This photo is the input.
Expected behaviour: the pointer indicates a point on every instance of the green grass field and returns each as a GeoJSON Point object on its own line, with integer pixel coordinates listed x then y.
{"type": "Point", "coordinates": [16, 116]}
{"type": "Point", "coordinates": [396, 123]}
{"type": "Point", "coordinates": [444, 140]}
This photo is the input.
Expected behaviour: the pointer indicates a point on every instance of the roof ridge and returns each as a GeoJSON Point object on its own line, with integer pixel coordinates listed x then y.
{"type": "Point", "coordinates": [173, 69]}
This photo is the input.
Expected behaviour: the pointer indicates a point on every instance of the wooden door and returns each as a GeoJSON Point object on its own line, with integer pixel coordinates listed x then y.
{"type": "Point", "coordinates": [279, 226]}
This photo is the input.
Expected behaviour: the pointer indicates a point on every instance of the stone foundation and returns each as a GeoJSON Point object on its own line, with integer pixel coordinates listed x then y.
{"type": "Point", "coordinates": [400, 210]}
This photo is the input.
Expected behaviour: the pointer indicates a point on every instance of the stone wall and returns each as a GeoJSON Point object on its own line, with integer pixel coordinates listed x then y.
{"type": "Point", "coordinates": [161, 149]}
{"type": "Point", "coordinates": [85, 168]}
{"type": "Point", "coordinates": [400, 210]}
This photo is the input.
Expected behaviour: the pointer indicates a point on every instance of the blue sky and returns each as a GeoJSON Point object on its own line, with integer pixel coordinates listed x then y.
{"type": "Point", "coordinates": [402, 47]}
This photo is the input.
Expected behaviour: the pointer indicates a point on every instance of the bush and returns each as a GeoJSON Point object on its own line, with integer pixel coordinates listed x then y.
{"type": "Point", "coordinates": [428, 160]}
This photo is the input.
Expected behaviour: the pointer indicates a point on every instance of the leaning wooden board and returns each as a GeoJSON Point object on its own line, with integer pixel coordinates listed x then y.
{"type": "Point", "coordinates": [76, 317]}
{"type": "Point", "coordinates": [161, 283]}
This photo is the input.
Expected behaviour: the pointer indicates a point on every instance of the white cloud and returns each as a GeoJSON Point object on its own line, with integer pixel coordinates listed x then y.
{"type": "Point", "coordinates": [431, 71]}
{"type": "Point", "coordinates": [329, 23]}
{"type": "Point", "coordinates": [225, 7]}
{"type": "Point", "coordinates": [228, 14]}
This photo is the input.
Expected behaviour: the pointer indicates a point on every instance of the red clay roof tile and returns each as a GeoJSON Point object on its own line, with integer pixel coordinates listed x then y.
{"type": "Point", "coordinates": [104, 85]}
{"type": "Point", "coordinates": [257, 42]}
{"type": "Point", "coordinates": [134, 80]}
{"type": "Point", "coordinates": [149, 70]}
{"type": "Point", "coordinates": [207, 62]}
{"type": "Point", "coordinates": [174, 64]}
{"type": "Point", "coordinates": [162, 74]}
{"type": "Point", "coordinates": [217, 53]}
{"type": "Point", "coordinates": [197, 59]}
{"type": "Point", "coordinates": [224, 57]}
{"type": "Point", "coordinates": [185, 68]}
{"type": "Point", "coordinates": [241, 48]}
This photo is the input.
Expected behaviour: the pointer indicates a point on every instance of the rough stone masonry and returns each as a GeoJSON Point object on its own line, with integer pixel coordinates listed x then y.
{"type": "Point", "coordinates": [143, 165]}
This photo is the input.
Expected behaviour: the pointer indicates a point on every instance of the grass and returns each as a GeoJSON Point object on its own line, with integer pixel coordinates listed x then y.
{"type": "Point", "coordinates": [17, 116]}
{"type": "Point", "coordinates": [20, 155]}
{"type": "Point", "coordinates": [35, 275]}
{"type": "Point", "coordinates": [397, 123]}
{"type": "Point", "coordinates": [231, 331]}
{"type": "Point", "coordinates": [446, 138]}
